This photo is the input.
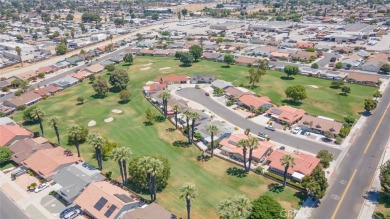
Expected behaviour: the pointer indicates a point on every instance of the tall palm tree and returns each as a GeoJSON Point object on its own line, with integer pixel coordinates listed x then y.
{"type": "Point", "coordinates": [74, 131]}
{"type": "Point", "coordinates": [38, 115]}
{"type": "Point", "coordinates": [82, 52]}
{"type": "Point", "coordinates": [110, 38]}
{"type": "Point", "coordinates": [212, 130]}
{"type": "Point", "coordinates": [243, 144]}
{"type": "Point", "coordinates": [97, 142]}
{"type": "Point", "coordinates": [188, 114]}
{"type": "Point", "coordinates": [19, 52]}
{"type": "Point", "coordinates": [54, 121]}
{"type": "Point", "coordinates": [253, 144]}
{"type": "Point", "coordinates": [126, 154]}
{"type": "Point", "coordinates": [194, 116]}
{"type": "Point", "coordinates": [165, 95]}
{"type": "Point", "coordinates": [144, 164]}
{"type": "Point", "coordinates": [188, 192]}
{"type": "Point", "coordinates": [286, 161]}
{"type": "Point", "coordinates": [117, 155]}
{"type": "Point", "coordinates": [176, 109]}
{"type": "Point", "coordinates": [156, 166]}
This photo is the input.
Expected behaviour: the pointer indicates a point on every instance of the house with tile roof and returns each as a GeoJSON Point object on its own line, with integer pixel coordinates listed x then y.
{"type": "Point", "coordinates": [250, 100]}
{"type": "Point", "coordinates": [13, 133]}
{"type": "Point", "coordinates": [364, 79]}
{"type": "Point", "coordinates": [152, 87]}
{"type": "Point", "coordinates": [23, 149]}
{"type": "Point", "coordinates": [47, 90]}
{"type": "Point", "coordinates": [320, 125]}
{"type": "Point", "coordinates": [27, 99]}
{"type": "Point", "coordinates": [151, 211]}
{"type": "Point", "coordinates": [172, 79]}
{"type": "Point", "coordinates": [304, 164]}
{"type": "Point", "coordinates": [285, 114]}
{"type": "Point", "coordinates": [47, 162]}
{"type": "Point", "coordinates": [80, 75]}
{"type": "Point", "coordinates": [104, 200]}
{"type": "Point", "coordinates": [229, 148]}
{"type": "Point", "coordinates": [95, 68]}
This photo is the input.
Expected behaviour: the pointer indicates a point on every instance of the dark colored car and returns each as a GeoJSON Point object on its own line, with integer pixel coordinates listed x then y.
{"type": "Point", "coordinates": [262, 134]}
{"type": "Point", "coordinates": [67, 211]}
{"type": "Point", "coordinates": [207, 94]}
{"type": "Point", "coordinates": [282, 148]}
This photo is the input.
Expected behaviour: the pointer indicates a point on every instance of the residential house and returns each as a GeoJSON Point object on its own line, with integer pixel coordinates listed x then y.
{"type": "Point", "coordinates": [80, 75]}
{"type": "Point", "coordinates": [333, 75]}
{"type": "Point", "coordinates": [229, 148]}
{"type": "Point", "coordinates": [61, 65]}
{"type": "Point", "coordinates": [65, 82]}
{"type": "Point", "coordinates": [221, 84]}
{"type": "Point", "coordinates": [304, 56]}
{"type": "Point", "coordinates": [372, 66]}
{"type": "Point", "coordinates": [320, 125]}
{"type": "Point", "coordinates": [26, 75]}
{"type": "Point", "coordinates": [304, 164]}
{"type": "Point", "coordinates": [364, 79]}
{"type": "Point", "coordinates": [172, 79]}
{"type": "Point", "coordinates": [74, 60]}
{"type": "Point", "coordinates": [47, 162]}
{"type": "Point", "coordinates": [106, 62]}
{"type": "Point", "coordinates": [151, 211]}
{"type": "Point", "coordinates": [225, 130]}
{"type": "Point", "coordinates": [145, 52]}
{"type": "Point", "coordinates": [264, 50]}
{"type": "Point", "coordinates": [349, 63]}
{"type": "Point", "coordinates": [152, 87]}
{"type": "Point", "coordinates": [304, 45]}
{"type": "Point", "coordinates": [250, 100]}
{"type": "Point", "coordinates": [279, 55]}
{"type": "Point", "coordinates": [246, 61]}
{"type": "Point", "coordinates": [116, 59]}
{"type": "Point", "coordinates": [7, 121]}
{"type": "Point", "coordinates": [236, 92]}
{"type": "Point", "coordinates": [24, 148]}
{"type": "Point", "coordinates": [27, 99]}
{"type": "Point", "coordinates": [212, 56]}
{"type": "Point", "coordinates": [6, 110]}
{"type": "Point", "coordinates": [47, 90]}
{"type": "Point", "coordinates": [285, 114]}
{"type": "Point", "coordinates": [73, 179]}
{"type": "Point", "coordinates": [309, 71]}
{"type": "Point", "coordinates": [105, 200]}
{"type": "Point", "coordinates": [203, 117]}
{"type": "Point", "coordinates": [12, 133]}
{"type": "Point", "coordinates": [95, 68]}
{"type": "Point", "coordinates": [161, 52]}
{"type": "Point", "coordinates": [202, 78]}
{"type": "Point", "coordinates": [46, 69]}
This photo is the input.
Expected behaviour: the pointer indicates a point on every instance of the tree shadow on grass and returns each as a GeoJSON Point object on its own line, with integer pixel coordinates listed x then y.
{"type": "Point", "coordinates": [343, 94]}
{"type": "Point", "coordinates": [225, 66]}
{"type": "Point", "coordinates": [301, 196]}
{"type": "Point", "coordinates": [238, 172]}
{"type": "Point", "coordinates": [384, 200]}
{"type": "Point", "coordinates": [126, 64]}
{"type": "Point", "coordinates": [291, 102]}
{"type": "Point", "coordinates": [183, 144]}
{"type": "Point", "coordinates": [148, 123]}
{"type": "Point", "coordinates": [275, 188]}
{"type": "Point", "coordinates": [97, 96]}
{"type": "Point", "coordinates": [123, 102]}
{"type": "Point", "coordinates": [29, 123]}
{"type": "Point", "coordinates": [185, 66]}
{"type": "Point", "coordinates": [286, 78]}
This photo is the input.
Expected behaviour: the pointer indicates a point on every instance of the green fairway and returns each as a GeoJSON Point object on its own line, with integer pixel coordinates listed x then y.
{"type": "Point", "coordinates": [127, 129]}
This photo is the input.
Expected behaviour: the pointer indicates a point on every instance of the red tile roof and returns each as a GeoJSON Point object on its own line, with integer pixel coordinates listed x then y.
{"type": "Point", "coordinates": [49, 89]}
{"type": "Point", "coordinates": [252, 100]}
{"type": "Point", "coordinates": [81, 74]}
{"type": "Point", "coordinates": [171, 78]}
{"type": "Point", "coordinates": [304, 163]}
{"type": "Point", "coordinates": [10, 132]}
{"type": "Point", "coordinates": [287, 113]}
{"type": "Point", "coordinates": [45, 69]}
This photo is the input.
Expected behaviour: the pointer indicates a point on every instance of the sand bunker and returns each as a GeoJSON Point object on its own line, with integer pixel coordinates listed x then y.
{"type": "Point", "coordinates": [91, 123]}
{"type": "Point", "coordinates": [313, 86]}
{"type": "Point", "coordinates": [109, 119]}
{"type": "Point", "coordinates": [116, 111]}
{"type": "Point", "coordinates": [143, 69]}
{"type": "Point", "coordinates": [149, 64]}
{"type": "Point", "coordinates": [166, 68]}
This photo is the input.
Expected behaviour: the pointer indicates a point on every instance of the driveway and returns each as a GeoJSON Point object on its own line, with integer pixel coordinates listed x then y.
{"type": "Point", "coordinates": [197, 95]}
{"type": "Point", "coordinates": [326, 59]}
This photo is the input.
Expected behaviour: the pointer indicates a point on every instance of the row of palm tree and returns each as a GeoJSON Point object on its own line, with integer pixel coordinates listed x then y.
{"type": "Point", "coordinates": [251, 143]}
{"type": "Point", "coordinates": [121, 155]}
{"type": "Point", "coordinates": [165, 95]}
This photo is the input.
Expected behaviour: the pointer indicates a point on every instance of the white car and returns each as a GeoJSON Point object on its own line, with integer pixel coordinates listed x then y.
{"type": "Point", "coordinates": [296, 130]}
{"type": "Point", "coordinates": [179, 89]}
{"type": "Point", "coordinates": [41, 187]}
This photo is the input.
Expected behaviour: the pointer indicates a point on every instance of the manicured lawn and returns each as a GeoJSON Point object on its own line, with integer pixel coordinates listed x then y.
{"type": "Point", "coordinates": [127, 129]}
{"type": "Point", "coordinates": [5, 166]}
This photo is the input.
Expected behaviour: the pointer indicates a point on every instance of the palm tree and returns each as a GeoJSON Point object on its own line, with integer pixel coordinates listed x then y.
{"type": "Point", "coordinates": [54, 121]}
{"type": "Point", "coordinates": [243, 206]}
{"type": "Point", "coordinates": [176, 109]}
{"type": "Point", "coordinates": [213, 130]}
{"type": "Point", "coordinates": [238, 207]}
{"type": "Point", "coordinates": [165, 95]}
{"type": "Point", "coordinates": [194, 117]}
{"type": "Point", "coordinates": [226, 208]}
{"type": "Point", "coordinates": [19, 52]}
{"type": "Point", "coordinates": [74, 131]}
{"type": "Point", "coordinates": [188, 114]}
{"type": "Point", "coordinates": [110, 38]}
{"type": "Point", "coordinates": [156, 166]}
{"type": "Point", "coordinates": [188, 192]}
{"type": "Point", "coordinates": [97, 142]}
{"type": "Point", "coordinates": [72, 34]}
{"type": "Point", "coordinates": [82, 52]}
{"type": "Point", "coordinates": [117, 155]}
{"type": "Point", "coordinates": [287, 161]}
{"type": "Point", "coordinates": [243, 143]}
{"type": "Point", "coordinates": [144, 164]}
{"type": "Point", "coordinates": [126, 154]}
{"type": "Point", "coordinates": [38, 114]}
{"type": "Point", "coordinates": [253, 144]}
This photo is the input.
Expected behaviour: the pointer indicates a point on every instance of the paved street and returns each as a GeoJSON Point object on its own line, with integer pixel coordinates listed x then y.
{"type": "Point", "coordinates": [347, 191]}
{"type": "Point", "coordinates": [326, 59]}
{"type": "Point", "coordinates": [9, 210]}
{"type": "Point", "coordinates": [198, 96]}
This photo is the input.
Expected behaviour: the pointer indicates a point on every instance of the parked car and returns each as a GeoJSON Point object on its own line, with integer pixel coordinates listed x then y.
{"type": "Point", "coordinates": [282, 148]}
{"type": "Point", "coordinates": [179, 89]}
{"type": "Point", "coordinates": [296, 130]}
{"type": "Point", "coordinates": [262, 134]}
{"type": "Point", "coordinates": [19, 172]}
{"type": "Point", "coordinates": [41, 187]}
{"type": "Point", "coordinates": [207, 94]}
{"type": "Point", "coordinates": [270, 127]}
{"type": "Point", "coordinates": [70, 213]}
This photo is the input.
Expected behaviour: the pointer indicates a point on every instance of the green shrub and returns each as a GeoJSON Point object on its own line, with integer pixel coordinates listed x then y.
{"type": "Point", "coordinates": [275, 176]}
